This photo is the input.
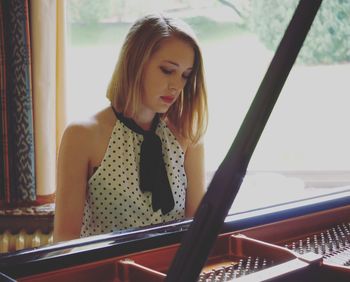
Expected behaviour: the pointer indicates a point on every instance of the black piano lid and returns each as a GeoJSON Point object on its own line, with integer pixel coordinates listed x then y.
{"type": "Point", "coordinates": [212, 211]}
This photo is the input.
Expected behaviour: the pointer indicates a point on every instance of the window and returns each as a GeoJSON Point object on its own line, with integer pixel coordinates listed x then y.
{"type": "Point", "coordinates": [303, 151]}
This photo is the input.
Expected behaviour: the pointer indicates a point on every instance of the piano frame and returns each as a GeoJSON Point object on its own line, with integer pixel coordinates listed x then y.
{"type": "Point", "coordinates": [109, 257]}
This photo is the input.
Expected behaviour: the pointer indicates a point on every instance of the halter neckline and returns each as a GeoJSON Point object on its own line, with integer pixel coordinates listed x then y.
{"type": "Point", "coordinates": [153, 175]}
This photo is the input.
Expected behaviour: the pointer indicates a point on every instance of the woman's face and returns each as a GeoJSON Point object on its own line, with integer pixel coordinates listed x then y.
{"type": "Point", "coordinates": [165, 74]}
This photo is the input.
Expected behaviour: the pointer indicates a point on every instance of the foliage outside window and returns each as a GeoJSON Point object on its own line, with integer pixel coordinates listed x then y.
{"type": "Point", "coordinates": [329, 38]}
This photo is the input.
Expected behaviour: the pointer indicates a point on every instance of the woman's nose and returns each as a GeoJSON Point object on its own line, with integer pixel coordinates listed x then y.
{"type": "Point", "coordinates": [172, 87]}
{"type": "Point", "coordinates": [175, 85]}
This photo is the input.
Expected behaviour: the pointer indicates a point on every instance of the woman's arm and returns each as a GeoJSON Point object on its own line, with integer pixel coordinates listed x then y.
{"type": "Point", "coordinates": [72, 171]}
{"type": "Point", "coordinates": [195, 172]}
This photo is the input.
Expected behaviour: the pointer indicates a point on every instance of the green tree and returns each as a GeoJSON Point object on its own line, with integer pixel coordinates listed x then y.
{"type": "Point", "coordinates": [328, 40]}
{"type": "Point", "coordinates": [89, 11]}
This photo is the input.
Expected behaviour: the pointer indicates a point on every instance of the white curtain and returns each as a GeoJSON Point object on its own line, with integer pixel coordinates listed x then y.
{"type": "Point", "coordinates": [48, 32]}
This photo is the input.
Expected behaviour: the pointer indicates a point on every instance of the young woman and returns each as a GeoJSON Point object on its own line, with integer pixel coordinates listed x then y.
{"type": "Point", "coordinates": [139, 161]}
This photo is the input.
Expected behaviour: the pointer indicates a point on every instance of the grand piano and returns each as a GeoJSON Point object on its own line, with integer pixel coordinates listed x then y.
{"type": "Point", "coordinates": [304, 240]}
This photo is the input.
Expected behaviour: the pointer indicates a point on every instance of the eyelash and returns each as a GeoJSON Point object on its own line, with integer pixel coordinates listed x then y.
{"type": "Point", "coordinates": [168, 72]}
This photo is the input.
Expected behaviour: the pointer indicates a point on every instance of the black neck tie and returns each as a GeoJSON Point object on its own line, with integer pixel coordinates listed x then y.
{"type": "Point", "coordinates": [153, 175]}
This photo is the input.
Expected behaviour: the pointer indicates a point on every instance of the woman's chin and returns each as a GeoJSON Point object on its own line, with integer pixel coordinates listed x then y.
{"type": "Point", "coordinates": [163, 109]}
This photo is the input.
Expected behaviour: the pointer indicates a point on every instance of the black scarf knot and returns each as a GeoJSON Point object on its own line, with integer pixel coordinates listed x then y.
{"type": "Point", "coordinates": [153, 175]}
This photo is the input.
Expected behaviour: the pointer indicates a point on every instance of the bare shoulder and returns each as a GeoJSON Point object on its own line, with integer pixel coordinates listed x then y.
{"type": "Point", "coordinates": [87, 132]}
{"type": "Point", "coordinates": [78, 129]}
{"type": "Point", "coordinates": [78, 132]}
{"type": "Point", "coordinates": [92, 125]}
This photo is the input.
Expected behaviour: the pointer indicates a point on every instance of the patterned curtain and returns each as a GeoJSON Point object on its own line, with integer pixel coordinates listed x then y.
{"type": "Point", "coordinates": [17, 167]}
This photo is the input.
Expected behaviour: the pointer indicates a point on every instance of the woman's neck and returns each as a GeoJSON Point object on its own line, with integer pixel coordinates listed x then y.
{"type": "Point", "coordinates": [144, 119]}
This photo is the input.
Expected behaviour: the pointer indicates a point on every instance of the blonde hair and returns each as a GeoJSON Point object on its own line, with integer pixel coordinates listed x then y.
{"type": "Point", "coordinates": [189, 114]}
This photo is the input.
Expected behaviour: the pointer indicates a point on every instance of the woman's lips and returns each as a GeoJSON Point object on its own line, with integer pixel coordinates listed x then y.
{"type": "Point", "coordinates": [167, 99]}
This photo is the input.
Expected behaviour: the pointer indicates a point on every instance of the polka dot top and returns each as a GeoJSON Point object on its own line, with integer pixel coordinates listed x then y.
{"type": "Point", "coordinates": [114, 200]}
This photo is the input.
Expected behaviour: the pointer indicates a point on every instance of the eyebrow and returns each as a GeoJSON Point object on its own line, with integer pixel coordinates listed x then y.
{"type": "Point", "coordinates": [176, 64]}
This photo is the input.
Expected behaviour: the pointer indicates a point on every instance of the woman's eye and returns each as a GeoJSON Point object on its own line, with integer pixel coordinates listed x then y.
{"type": "Point", "coordinates": [166, 71]}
